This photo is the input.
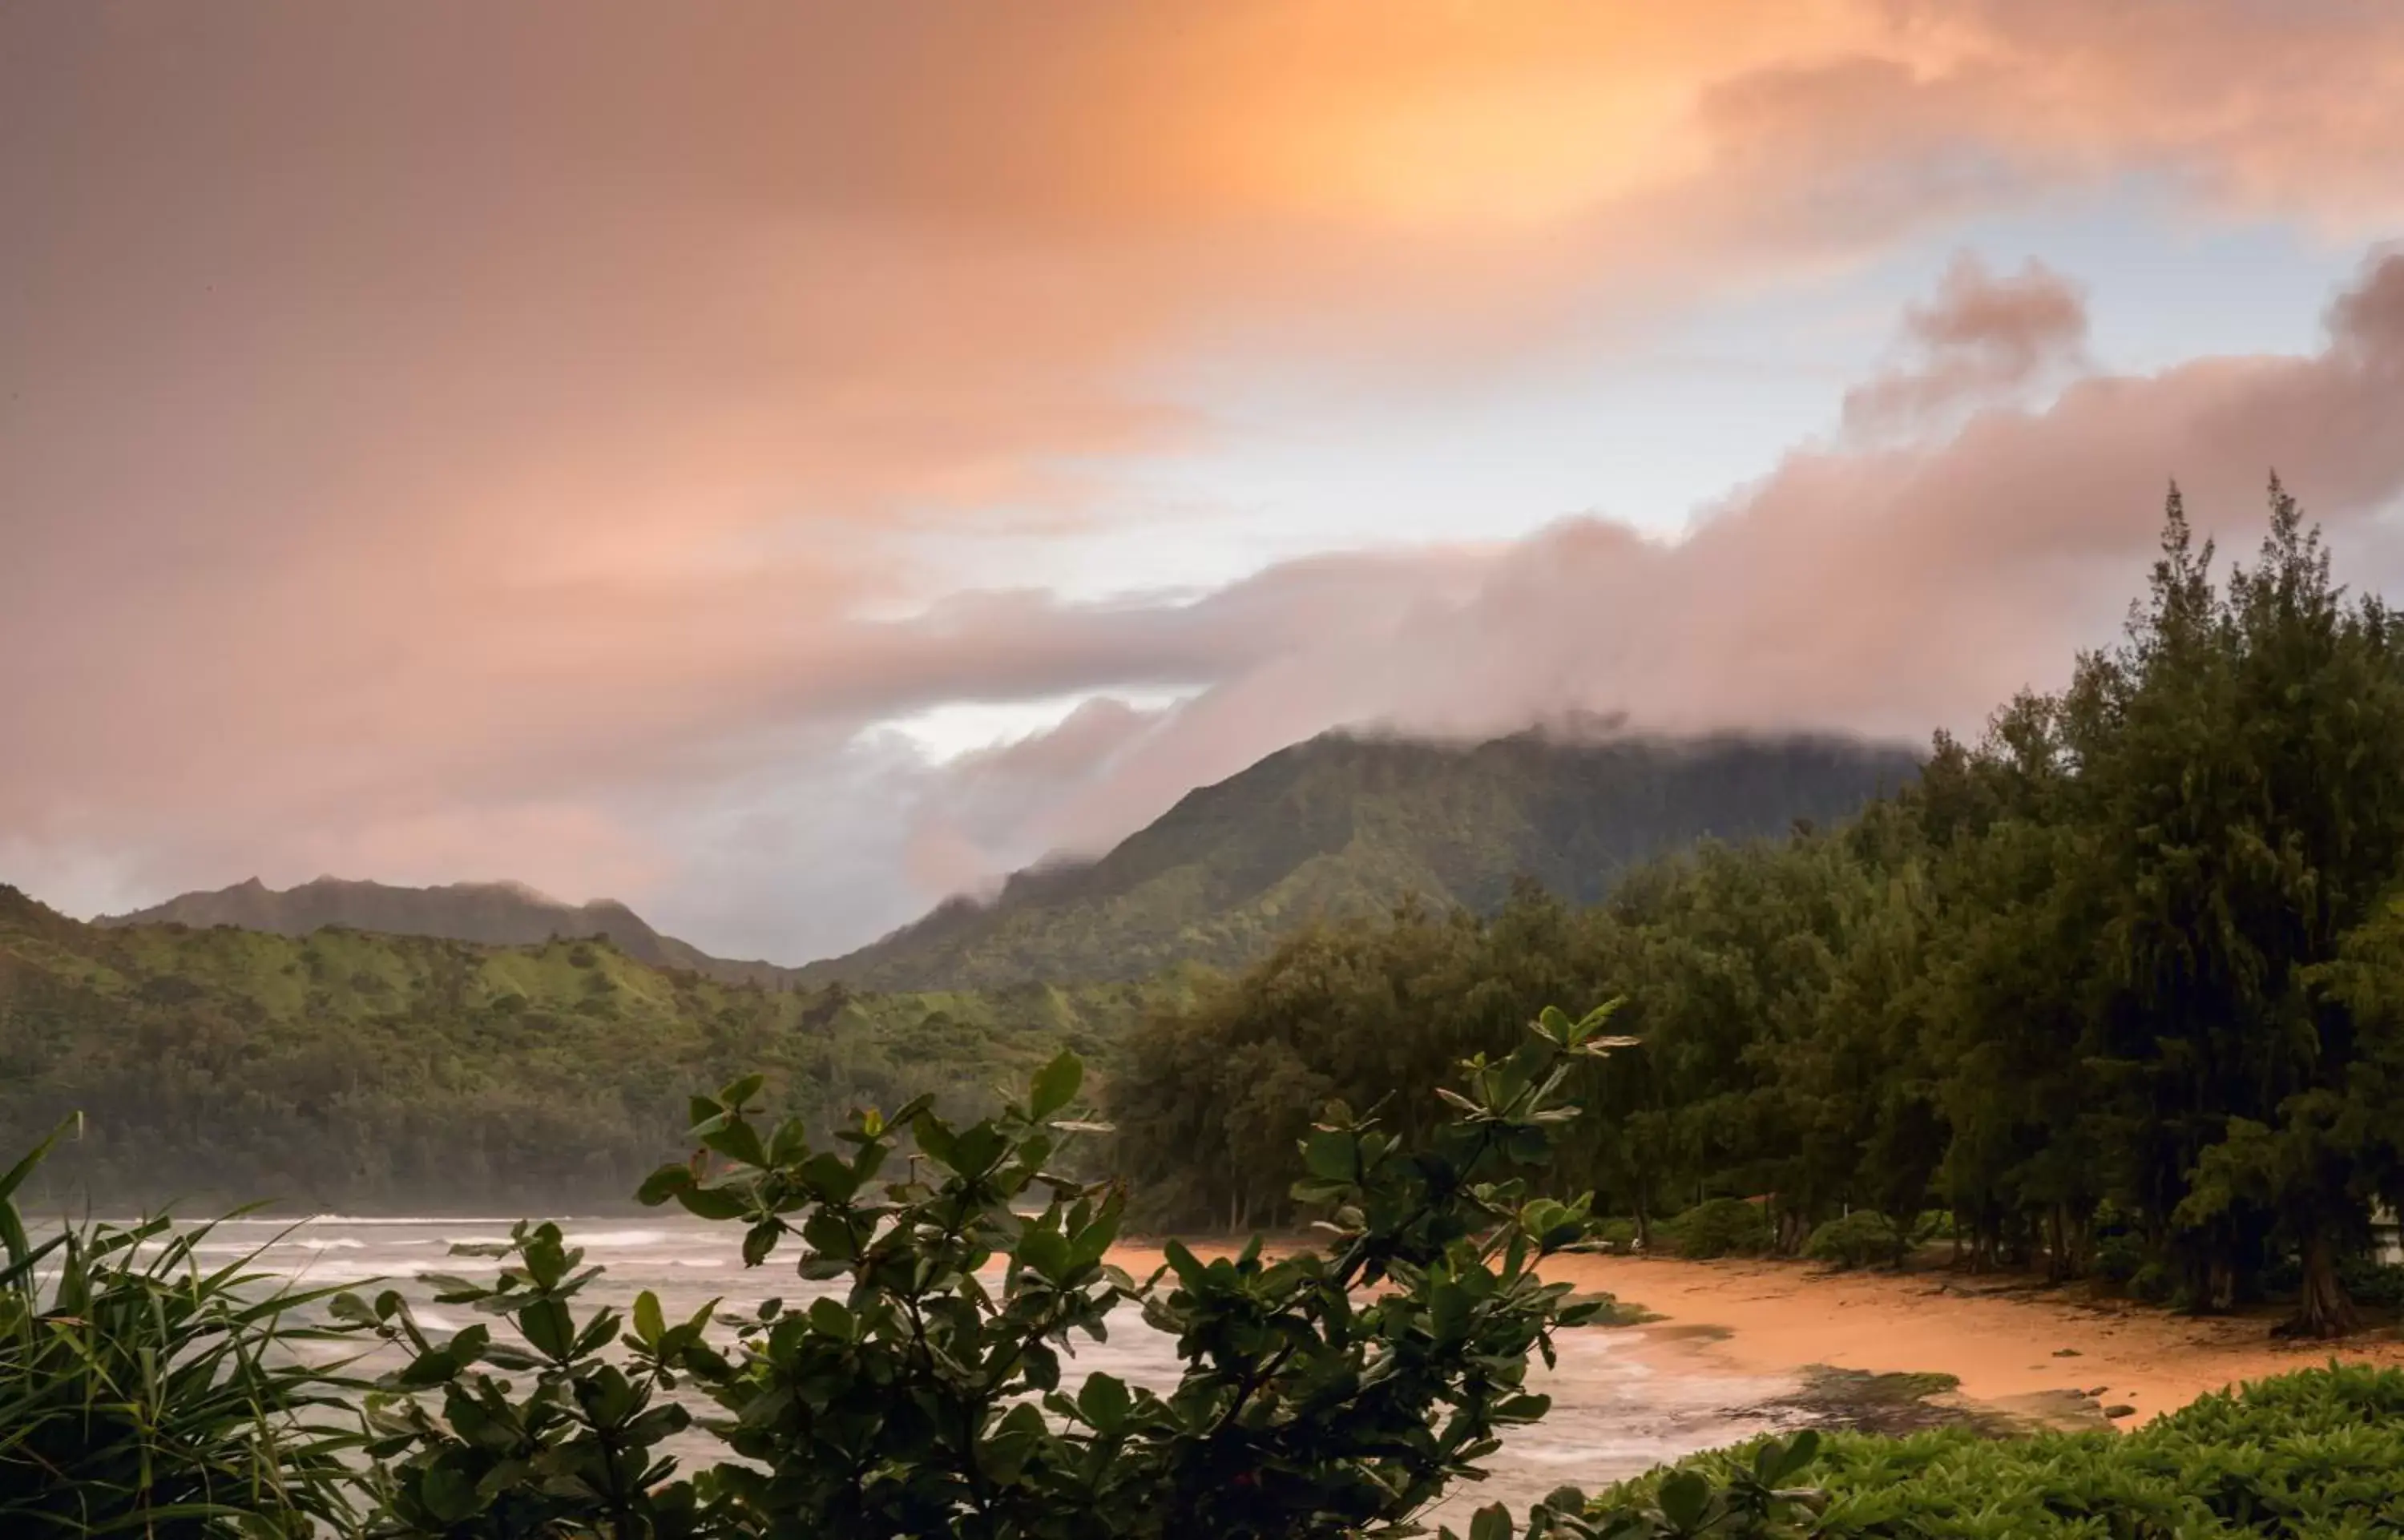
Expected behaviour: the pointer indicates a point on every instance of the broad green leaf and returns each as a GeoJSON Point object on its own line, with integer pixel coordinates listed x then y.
{"type": "Point", "coordinates": [1055, 1085]}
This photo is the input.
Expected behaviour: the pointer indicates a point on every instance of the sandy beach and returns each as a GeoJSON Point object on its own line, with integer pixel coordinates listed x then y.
{"type": "Point", "coordinates": [2009, 1341]}
{"type": "Point", "coordinates": [2012, 1343]}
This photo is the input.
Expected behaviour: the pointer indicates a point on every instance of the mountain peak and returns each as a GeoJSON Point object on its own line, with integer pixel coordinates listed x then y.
{"type": "Point", "coordinates": [497, 914]}
{"type": "Point", "coordinates": [1352, 822]}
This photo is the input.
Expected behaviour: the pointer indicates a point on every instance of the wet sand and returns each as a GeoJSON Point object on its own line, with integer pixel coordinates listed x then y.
{"type": "Point", "coordinates": [2046, 1354]}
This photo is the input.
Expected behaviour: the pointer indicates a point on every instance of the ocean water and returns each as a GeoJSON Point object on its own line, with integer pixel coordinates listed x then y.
{"type": "Point", "coordinates": [1618, 1411]}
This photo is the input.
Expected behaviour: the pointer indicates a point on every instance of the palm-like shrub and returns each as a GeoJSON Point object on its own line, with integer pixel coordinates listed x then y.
{"type": "Point", "coordinates": [144, 1394]}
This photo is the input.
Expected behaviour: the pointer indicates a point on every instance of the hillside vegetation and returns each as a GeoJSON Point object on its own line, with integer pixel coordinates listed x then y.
{"type": "Point", "coordinates": [1343, 827]}
{"type": "Point", "coordinates": [319, 1047]}
{"type": "Point", "coordinates": [347, 1070]}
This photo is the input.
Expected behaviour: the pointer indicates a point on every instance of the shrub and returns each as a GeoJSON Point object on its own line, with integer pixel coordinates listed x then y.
{"type": "Point", "coordinates": [1323, 1395]}
{"type": "Point", "coordinates": [1616, 1235]}
{"type": "Point", "coordinates": [2371, 1282]}
{"type": "Point", "coordinates": [2316, 1453]}
{"type": "Point", "coordinates": [1724, 1227]}
{"type": "Point", "coordinates": [1862, 1239]}
{"type": "Point", "coordinates": [2119, 1258]}
{"type": "Point", "coordinates": [144, 1394]}
{"type": "Point", "coordinates": [2154, 1284]}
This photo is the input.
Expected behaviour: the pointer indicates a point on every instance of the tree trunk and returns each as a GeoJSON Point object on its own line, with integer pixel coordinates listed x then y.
{"type": "Point", "coordinates": [2221, 1284]}
{"type": "Point", "coordinates": [2322, 1308]}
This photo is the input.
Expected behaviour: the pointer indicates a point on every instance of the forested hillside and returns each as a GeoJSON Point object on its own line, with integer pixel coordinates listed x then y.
{"type": "Point", "coordinates": [1344, 826]}
{"type": "Point", "coordinates": [346, 1070]}
{"type": "Point", "coordinates": [2118, 989]}
{"type": "Point", "coordinates": [495, 914]}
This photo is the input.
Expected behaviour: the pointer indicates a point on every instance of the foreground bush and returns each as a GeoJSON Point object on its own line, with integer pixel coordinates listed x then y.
{"type": "Point", "coordinates": [2319, 1452]}
{"type": "Point", "coordinates": [1862, 1238]}
{"type": "Point", "coordinates": [1325, 1395]}
{"type": "Point", "coordinates": [142, 1394]}
{"type": "Point", "coordinates": [1725, 1226]}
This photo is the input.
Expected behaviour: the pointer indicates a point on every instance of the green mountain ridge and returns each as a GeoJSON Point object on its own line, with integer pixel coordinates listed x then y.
{"type": "Point", "coordinates": [361, 1071]}
{"type": "Point", "coordinates": [495, 913]}
{"type": "Point", "coordinates": [1345, 825]}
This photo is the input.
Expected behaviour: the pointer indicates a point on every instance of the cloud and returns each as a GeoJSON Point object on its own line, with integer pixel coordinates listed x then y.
{"type": "Point", "coordinates": [1886, 589]}
{"type": "Point", "coordinates": [1984, 340]}
{"type": "Point", "coordinates": [451, 433]}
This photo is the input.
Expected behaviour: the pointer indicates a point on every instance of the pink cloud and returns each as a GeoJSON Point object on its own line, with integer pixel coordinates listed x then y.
{"type": "Point", "coordinates": [1883, 590]}
{"type": "Point", "coordinates": [1984, 340]}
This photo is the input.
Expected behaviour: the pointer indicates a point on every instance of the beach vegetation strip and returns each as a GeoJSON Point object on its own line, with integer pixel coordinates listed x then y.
{"type": "Point", "coordinates": [2314, 1452]}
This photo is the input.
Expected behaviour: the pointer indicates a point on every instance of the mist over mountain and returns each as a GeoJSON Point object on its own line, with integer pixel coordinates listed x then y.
{"type": "Point", "coordinates": [1347, 825]}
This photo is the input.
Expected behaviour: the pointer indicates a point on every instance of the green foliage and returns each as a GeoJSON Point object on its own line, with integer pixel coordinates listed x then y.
{"type": "Point", "coordinates": [1862, 1238]}
{"type": "Point", "coordinates": [2368, 1281]}
{"type": "Point", "coordinates": [1344, 828]}
{"type": "Point", "coordinates": [2118, 1259]}
{"type": "Point", "coordinates": [1724, 1227]}
{"type": "Point", "coordinates": [346, 1070]}
{"type": "Point", "coordinates": [580, 1452]}
{"type": "Point", "coordinates": [2318, 1453]}
{"type": "Point", "coordinates": [144, 1393]}
{"type": "Point", "coordinates": [1329, 1393]}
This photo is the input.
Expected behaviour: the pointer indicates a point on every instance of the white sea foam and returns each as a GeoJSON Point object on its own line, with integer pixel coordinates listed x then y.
{"type": "Point", "coordinates": [378, 1222]}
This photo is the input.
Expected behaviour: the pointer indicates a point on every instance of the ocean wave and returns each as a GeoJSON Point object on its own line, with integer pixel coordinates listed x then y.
{"type": "Point", "coordinates": [616, 1238]}
{"type": "Point", "coordinates": [380, 1221]}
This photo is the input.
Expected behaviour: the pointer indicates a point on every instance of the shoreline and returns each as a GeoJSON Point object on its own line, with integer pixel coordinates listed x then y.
{"type": "Point", "coordinates": [2044, 1354]}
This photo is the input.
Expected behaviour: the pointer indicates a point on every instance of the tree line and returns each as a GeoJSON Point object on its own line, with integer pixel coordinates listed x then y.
{"type": "Point", "coordinates": [2118, 985]}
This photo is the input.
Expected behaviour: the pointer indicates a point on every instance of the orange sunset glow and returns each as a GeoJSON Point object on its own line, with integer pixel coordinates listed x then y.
{"type": "Point", "coordinates": [783, 464]}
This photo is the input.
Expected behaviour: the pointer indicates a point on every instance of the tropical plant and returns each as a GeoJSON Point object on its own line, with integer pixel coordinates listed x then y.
{"type": "Point", "coordinates": [1328, 1392]}
{"type": "Point", "coordinates": [144, 1393]}
{"type": "Point", "coordinates": [580, 1452]}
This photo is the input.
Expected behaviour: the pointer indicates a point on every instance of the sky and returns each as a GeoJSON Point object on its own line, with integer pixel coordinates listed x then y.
{"type": "Point", "coordinates": [780, 464]}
